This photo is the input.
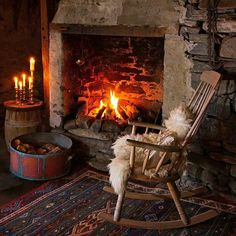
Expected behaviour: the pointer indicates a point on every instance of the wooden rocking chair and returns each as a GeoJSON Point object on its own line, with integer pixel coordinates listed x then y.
{"type": "Point", "coordinates": [197, 105]}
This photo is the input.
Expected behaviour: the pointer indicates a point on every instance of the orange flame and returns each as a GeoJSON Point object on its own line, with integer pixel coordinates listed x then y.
{"type": "Point", "coordinates": [111, 104]}
{"type": "Point", "coordinates": [101, 104]}
{"type": "Point", "coordinates": [114, 103]}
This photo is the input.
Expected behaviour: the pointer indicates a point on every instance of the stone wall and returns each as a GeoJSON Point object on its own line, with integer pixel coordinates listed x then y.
{"type": "Point", "coordinates": [214, 157]}
{"type": "Point", "coordinates": [163, 13]}
{"type": "Point", "coordinates": [19, 39]}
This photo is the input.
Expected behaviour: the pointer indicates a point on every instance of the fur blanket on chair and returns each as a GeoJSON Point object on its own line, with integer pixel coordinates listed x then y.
{"type": "Point", "coordinates": [178, 125]}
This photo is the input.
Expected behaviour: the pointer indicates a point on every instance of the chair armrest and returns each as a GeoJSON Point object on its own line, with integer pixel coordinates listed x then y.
{"type": "Point", "coordinates": [146, 125]}
{"type": "Point", "coordinates": [150, 146]}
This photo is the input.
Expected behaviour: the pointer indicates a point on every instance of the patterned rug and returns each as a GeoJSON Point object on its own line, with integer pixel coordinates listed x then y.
{"type": "Point", "coordinates": [72, 209]}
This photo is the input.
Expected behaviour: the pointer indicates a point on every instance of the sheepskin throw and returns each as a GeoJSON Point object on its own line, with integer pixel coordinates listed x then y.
{"type": "Point", "coordinates": [178, 125]}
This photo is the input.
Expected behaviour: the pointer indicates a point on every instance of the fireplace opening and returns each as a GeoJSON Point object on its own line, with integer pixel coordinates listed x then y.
{"type": "Point", "coordinates": [115, 78]}
{"type": "Point", "coordinates": [108, 80]}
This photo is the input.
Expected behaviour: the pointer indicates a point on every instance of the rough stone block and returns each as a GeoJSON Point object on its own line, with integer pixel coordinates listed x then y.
{"type": "Point", "coordinates": [221, 188]}
{"type": "Point", "coordinates": [70, 124]}
{"type": "Point", "coordinates": [195, 80]}
{"type": "Point", "coordinates": [88, 133]}
{"type": "Point", "coordinates": [199, 67]}
{"type": "Point", "coordinates": [96, 125]}
{"type": "Point", "coordinates": [224, 157]}
{"type": "Point", "coordinates": [104, 156]}
{"type": "Point", "coordinates": [198, 49]}
{"type": "Point", "coordinates": [193, 170]}
{"type": "Point", "coordinates": [230, 67]}
{"type": "Point", "coordinates": [99, 164]}
{"type": "Point", "coordinates": [223, 4]}
{"type": "Point", "coordinates": [208, 164]}
{"type": "Point", "coordinates": [198, 38]}
{"type": "Point", "coordinates": [232, 185]}
{"type": "Point", "coordinates": [208, 178]}
{"type": "Point", "coordinates": [84, 122]}
{"type": "Point", "coordinates": [196, 14]}
{"type": "Point", "coordinates": [228, 47]}
{"type": "Point", "coordinates": [189, 23]}
{"type": "Point", "coordinates": [226, 24]}
{"type": "Point", "coordinates": [110, 126]}
{"type": "Point", "coordinates": [210, 129]}
{"type": "Point", "coordinates": [189, 30]}
{"type": "Point", "coordinates": [233, 170]}
{"type": "Point", "coordinates": [223, 180]}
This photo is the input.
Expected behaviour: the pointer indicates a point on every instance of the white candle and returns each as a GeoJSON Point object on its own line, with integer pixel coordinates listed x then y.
{"type": "Point", "coordinates": [30, 82]}
{"type": "Point", "coordinates": [16, 82]}
{"type": "Point", "coordinates": [32, 64]}
{"type": "Point", "coordinates": [23, 80]}
{"type": "Point", "coordinates": [20, 85]}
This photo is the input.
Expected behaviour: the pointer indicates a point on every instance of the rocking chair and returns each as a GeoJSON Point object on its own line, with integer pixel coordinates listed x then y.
{"type": "Point", "coordinates": [197, 105]}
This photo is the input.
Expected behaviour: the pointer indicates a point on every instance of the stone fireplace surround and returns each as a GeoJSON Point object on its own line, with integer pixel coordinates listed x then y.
{"type": "Point", "coordinates": [183, 26]}
{"type": "Point", "coordinates": [116, 18]}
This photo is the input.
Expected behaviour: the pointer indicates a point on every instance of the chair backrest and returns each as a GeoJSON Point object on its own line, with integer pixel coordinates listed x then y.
{"type": "Point", "coordinates": [201, 99]}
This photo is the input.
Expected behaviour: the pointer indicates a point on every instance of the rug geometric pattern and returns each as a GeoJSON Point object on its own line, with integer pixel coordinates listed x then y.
{"type": "Point", "coordinates": [72, 209]}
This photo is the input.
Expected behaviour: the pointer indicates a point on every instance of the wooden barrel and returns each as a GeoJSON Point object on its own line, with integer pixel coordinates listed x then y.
{"type": "Point", "coordinates": [45, 166]}
{"type": "Point", "coordinates": [21, 119]}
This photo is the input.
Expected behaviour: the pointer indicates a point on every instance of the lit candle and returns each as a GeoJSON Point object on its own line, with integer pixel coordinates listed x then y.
{"type": "Point", "coordinates": [32, 64]}
{"type": "Point", "coordinates": [30, 82]}
{"type": "Point", "coordinates": [16, 82]}
{"type": "Point", "coordinates": [20, 85]}
{"type": "Point", "coordinates": [23, 79]}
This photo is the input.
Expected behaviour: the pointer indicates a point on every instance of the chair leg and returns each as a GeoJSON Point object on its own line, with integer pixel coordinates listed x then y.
{"type": "Point", "coordinates": [172, 188]}
{"type": "Point", "coordinates": [119, 204]}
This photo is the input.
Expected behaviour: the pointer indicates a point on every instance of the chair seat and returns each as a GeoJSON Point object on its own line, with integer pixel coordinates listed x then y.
{"type": "Point", "coordinates": [144, 178]}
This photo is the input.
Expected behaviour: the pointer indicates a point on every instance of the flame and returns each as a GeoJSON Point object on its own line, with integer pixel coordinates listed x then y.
{"type": "Point", "coordinates": [114, 103]}
{"type": "Point", "coordinates": [101, 104]}
{"type": "Point", "coordinates": [109, 104]}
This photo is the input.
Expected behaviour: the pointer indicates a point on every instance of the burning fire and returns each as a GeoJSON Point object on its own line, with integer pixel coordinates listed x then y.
{"type": "Point", "coordinates": [114, 103]}
{"type": "Point", "coordinates": [110, 106]}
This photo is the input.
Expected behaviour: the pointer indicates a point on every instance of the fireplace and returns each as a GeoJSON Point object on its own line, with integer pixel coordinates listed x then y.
{"type": "Point", "coordinates": [113, 77]}
{"type": "Point", "coordinates": [107, 68]}
{"type": "Point", "coordinates": [108, 80]}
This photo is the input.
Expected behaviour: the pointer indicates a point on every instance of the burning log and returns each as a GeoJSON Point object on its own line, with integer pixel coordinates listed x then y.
{"type": "Point", "coordinates": [122, 113]}
{"type": "Point", "coordinates": [108, 115]}
{"type": "Point", "coordinates": [100, 113]}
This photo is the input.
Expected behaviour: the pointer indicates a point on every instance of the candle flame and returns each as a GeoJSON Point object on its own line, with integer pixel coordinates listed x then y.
{"type": "Point", "coordinates": [24, 79]}
{"type": "Point", "coordinates": [32, 63]}
{"type": "Point", "coordinates": [16, 82]}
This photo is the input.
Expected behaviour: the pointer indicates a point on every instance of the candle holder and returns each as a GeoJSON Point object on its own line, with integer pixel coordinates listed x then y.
{"type": "Point", "coordinates": [17, 95]}
{"type": "Point", "coordinates": [23, 95]}
{"type": "Point", "coordinates": [20, 95]}
{"type": "Point", "coordinates": [31, 96]}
